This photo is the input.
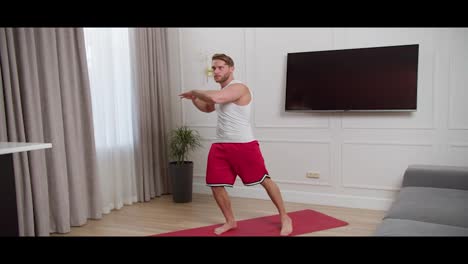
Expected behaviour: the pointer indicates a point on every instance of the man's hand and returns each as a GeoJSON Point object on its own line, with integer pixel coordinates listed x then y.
{"type": "Point", "coordinates": [200, 104]}
{"type": "Point", "coordinates": [187, 95]}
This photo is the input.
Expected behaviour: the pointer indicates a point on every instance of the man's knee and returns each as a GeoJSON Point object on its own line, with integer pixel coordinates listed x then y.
{"type": "Point", "coordinates": [266, 181]}
{"type": "Point", "coordinates": [217, 189]}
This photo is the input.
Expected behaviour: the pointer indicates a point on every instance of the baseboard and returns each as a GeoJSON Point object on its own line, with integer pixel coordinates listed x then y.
{"type": "Point", "coordinates": [348, 201]}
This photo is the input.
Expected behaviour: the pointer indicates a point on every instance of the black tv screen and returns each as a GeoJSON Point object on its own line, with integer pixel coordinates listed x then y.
{"type": "Point", "coordinates": [362, 79]}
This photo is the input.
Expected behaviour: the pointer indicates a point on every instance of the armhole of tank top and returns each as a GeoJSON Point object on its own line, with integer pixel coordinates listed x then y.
{"type": "Point", "coordinates": [251, 95]}
{"type": "Point", "coordinates": [248, 89]}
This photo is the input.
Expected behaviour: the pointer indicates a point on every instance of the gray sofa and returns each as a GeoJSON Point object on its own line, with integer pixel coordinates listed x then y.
{"type": "Point", "coordinates": [433, 201]}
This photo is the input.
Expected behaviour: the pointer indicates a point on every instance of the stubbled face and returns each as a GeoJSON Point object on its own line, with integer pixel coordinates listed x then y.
{"type": "Point", "coordinates": [221, 70]}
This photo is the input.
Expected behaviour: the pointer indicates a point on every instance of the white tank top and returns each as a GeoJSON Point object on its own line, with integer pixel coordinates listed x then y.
{"type": "Point", "coordinates": [234, 121]}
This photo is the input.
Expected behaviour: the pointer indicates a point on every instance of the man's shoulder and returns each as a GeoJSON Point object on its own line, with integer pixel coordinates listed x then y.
{"type": "Point", "coordinates": [242, 87]}
{"type": "Point", "coordinates": [239, 85]}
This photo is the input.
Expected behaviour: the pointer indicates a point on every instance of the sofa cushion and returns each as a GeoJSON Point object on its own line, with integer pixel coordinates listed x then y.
{"type": "Point", "coordinates": [403, 227]}
{"type": "Point", "coordinates": [433, 205]}
{"type": "Point", "coordinates": [449, 177]}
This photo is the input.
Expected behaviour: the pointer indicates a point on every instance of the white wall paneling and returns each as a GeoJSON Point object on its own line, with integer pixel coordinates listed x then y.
{"type": "Point", "coordinates": [361, 156]}
{"type": "Point", "coordinates": [458, 153]}
{"type": "Point", "coordinates": [458, 79]}
{"type": "Point", "coordinates": [380, 165]}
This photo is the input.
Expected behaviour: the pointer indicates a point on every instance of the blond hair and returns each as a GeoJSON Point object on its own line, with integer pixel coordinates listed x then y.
{"type": "Point", "coordinates": [220, 56]}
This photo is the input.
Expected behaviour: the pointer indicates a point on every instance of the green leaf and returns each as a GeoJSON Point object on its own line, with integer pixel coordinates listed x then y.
{"type": "Point", "coordinates": [183, 140]}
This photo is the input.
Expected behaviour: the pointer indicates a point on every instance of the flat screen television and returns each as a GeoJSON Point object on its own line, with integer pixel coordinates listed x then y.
{"type": "Point", "coordinates": [361, 79]}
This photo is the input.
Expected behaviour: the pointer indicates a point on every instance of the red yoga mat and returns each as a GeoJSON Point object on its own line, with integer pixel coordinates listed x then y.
{"type": "Point", "coordinates": [304, 221]}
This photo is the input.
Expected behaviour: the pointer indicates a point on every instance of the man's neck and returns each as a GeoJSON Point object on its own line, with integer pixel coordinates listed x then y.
{"type": "Point", "coordinates": [223, 84]}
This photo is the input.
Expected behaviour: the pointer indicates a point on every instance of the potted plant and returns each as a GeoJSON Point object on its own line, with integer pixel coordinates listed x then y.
{"type": "Point", "coordinates": [183, 140]}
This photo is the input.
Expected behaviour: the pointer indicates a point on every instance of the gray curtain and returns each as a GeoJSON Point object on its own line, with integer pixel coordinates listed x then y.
{"type": "Point", "coordinates": [152, 111]}
{"type": "Point", "coordinates": [46, 98]}
{"type": "Point", "coordinates": [3, 131]}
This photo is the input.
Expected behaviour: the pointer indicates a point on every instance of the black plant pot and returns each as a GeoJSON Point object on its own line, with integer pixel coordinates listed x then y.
{"type": "Point", "coordinates": [182, 181]}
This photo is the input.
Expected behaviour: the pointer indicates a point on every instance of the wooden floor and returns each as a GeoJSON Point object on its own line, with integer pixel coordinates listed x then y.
{"type": "Point", "coordinates": [162, 215]}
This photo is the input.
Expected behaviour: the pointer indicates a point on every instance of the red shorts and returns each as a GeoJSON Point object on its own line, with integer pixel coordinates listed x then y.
{"type": "Point", "coordinates": [227, 160]}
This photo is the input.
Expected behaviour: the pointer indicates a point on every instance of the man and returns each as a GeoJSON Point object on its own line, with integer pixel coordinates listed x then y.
{"type": "Point", "coordinates": [235, 151]}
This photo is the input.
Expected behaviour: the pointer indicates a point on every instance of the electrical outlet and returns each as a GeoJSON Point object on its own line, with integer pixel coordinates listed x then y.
{"type": "Point", "coordinates": [312, 174]}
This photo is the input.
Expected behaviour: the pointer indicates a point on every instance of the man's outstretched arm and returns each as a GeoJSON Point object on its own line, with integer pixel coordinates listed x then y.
{"type": "Point", "coordinates": [198, 103]}
{"type": "Point", "coordinates": [226, 95]}
{"type": "Point", "coordinates": [203, 106]}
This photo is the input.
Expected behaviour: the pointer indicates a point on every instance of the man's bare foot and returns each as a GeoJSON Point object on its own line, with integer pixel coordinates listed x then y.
{"type": "Point", "coordinates": [225, 227]}
{"type": "Point", "coordinates": [286, 226]}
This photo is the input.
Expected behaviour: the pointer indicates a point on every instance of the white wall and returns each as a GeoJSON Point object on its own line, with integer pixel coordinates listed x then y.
{"type": "Point", "coordinates": [361, 157]}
